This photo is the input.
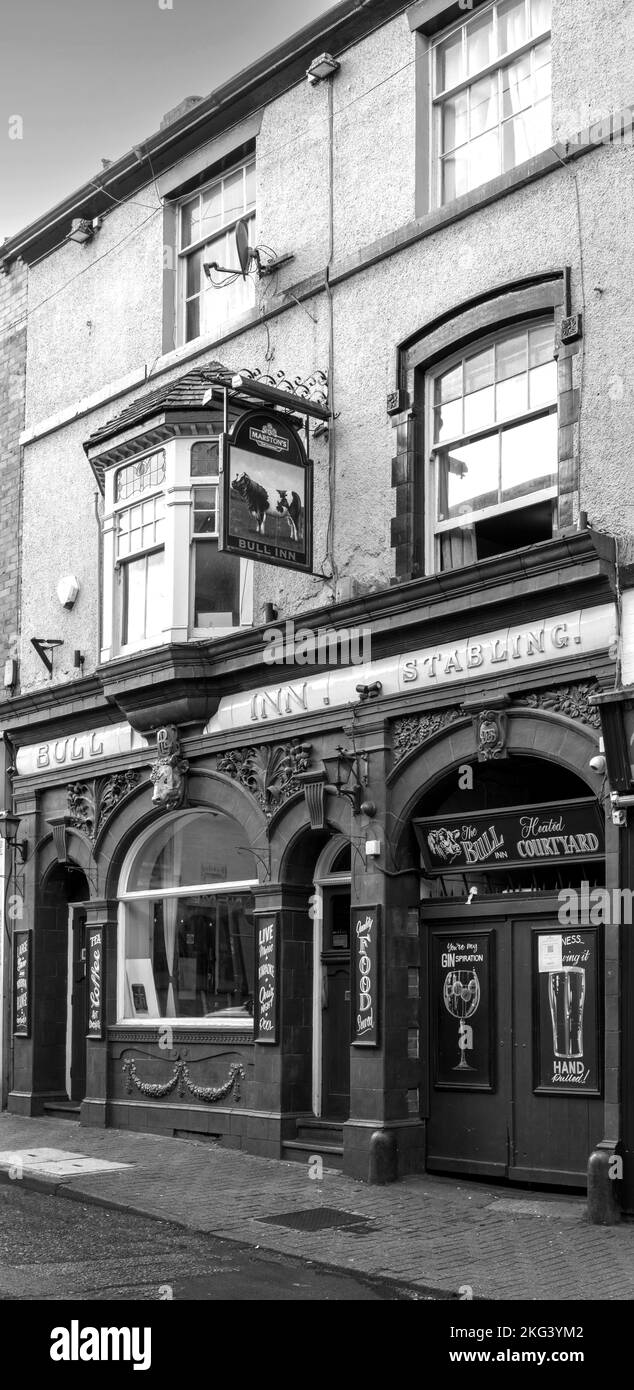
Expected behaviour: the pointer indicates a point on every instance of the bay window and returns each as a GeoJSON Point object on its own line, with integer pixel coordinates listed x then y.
{"type": "Point", "coordinates": [207, 223]}
{"type": "Point", "coordinates": [492, 421]}
{"type": "Point", "coordinates": [491, 94]}
{"type": "Point", "coordinates": [164, 577]}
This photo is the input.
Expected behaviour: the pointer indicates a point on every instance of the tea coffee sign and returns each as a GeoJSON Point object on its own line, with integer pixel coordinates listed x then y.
{"type": "Point", "coordinates": [513, 838]}
{"type": "Point", "coordinates": [566, 978]}
{"type": "Point", "coordinates": [22, 984]}
{"type": "Point", "coordinates": [94, 953]}
{"type": "Point", "coordinates": [266, 493]}
{"type": "Point", "coordinates": [365, 976]}
{"type": "Point", "coordinates": [266, 978]}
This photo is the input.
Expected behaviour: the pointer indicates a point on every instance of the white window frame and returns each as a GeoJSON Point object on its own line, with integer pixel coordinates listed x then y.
{"type": "Point", "coordinates": [438, 98]}
{"type": "Point", "coordinates": [142, 895]}
{"type": "Point", "coordinates": [434, 527]}
{"type": "Point", "coordinates": [184, 252]}
{"type": "Point", "coordinates": [177, 546]}
{"type": "Point", "coordinates": [119, 508]}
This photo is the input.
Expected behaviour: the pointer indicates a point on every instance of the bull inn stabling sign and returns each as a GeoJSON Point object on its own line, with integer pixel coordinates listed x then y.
{"type": "Point", "coordinates": [516, 837]}
{"type": "Point", "coordinates": [266, 492]}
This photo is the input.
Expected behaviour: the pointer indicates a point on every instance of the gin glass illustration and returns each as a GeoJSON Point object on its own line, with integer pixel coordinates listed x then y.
{"type": "Point", "coordinates": [461, 995]}
{"type": "Point", "coordinates": [566, 994]}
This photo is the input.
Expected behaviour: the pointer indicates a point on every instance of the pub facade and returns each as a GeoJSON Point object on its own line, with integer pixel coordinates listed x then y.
{"type": "Point", "coordinates": [313, 847]}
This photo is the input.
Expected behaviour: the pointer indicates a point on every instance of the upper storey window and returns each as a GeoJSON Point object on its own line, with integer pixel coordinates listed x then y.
{"type": "Point", "coordinates": [207, 226]}
{"type": "Point", "coordinates": [492, 414]}
{"type": "Point", "coordinates": [491, 94]}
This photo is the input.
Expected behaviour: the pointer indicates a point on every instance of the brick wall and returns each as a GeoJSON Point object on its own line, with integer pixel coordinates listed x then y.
{"type": "Point", "coordinates": [13, 292]}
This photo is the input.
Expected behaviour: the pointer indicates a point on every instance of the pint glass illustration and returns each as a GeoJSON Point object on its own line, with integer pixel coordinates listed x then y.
{"type": "Point", "coordinates": [566, 994]}
{"type": "Point", "coordinates": [461, 995]}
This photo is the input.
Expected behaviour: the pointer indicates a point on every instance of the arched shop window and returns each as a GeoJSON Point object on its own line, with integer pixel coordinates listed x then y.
{"type": "Point", "coordinates": [186, 907]}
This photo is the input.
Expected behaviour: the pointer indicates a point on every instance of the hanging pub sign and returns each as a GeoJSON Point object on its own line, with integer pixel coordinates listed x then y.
{"type": "Point", "coordinates": [266, 492]}
{"type": "Point", "coordinates": [22, 984]}
{"type": "Point", "coordinates": [463, 1009]}
{"type": "Point", "coordinates": [266, 1008]}
{"type": "Point", "coordinates": [566, 1003]}
{"type": "Point", "coordinates": [516, 837]}
{"type": "Point", "coordinates": [365, 976]}
{"type": "Point", "coordinates": [94, 952]}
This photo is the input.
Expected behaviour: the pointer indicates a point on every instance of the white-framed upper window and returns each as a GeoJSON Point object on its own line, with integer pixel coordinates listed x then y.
{"type": "Point", "coordinates": [215, 577]}
{"type": "Point", "coordinates": [492, 427]}
{"type": "Point", "coordinates": [207, 223]}
{"type": "Point", "coordinates": [139, 512]}
{"type": "Point", "coordinates": [186, 944]}
{"type": "Point", "coordinates": [164, 577]}
{"type": "Point", "coordinates": [491, 94]}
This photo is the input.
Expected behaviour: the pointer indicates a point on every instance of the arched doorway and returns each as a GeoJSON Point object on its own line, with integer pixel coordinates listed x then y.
{"type": "Point", "coordinates": [60, 964]}
{"type": "Point", "coordinates": [512, 985]}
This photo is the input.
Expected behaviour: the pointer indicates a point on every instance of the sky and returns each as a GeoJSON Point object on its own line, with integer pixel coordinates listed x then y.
{"type": "Point", "coordinates": [84, 80]}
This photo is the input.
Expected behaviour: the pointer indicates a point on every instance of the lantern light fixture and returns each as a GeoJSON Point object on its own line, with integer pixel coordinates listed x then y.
{"type": "Point", "coordinates": [8, 832]}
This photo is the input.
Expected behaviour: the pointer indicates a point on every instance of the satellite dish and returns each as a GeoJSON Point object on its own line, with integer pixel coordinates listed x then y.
{"type": "Point", "coordinates": [242, 246]}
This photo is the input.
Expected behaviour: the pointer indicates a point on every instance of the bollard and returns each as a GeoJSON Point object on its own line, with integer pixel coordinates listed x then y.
{"type": "Point", "coordinates": [383, 1165]}
{"type": "Point", "coordinates": [603, 1208]}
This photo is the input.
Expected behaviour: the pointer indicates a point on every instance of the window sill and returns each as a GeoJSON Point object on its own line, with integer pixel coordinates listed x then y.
{"type": "Point", "coordinates": [198, 346]}
{"type": "Point", "coordinates": [220, 1024]}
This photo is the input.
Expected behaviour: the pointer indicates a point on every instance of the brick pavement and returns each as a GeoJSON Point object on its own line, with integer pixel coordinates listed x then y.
{"type": "Point", "coordinates": [452, 1236]}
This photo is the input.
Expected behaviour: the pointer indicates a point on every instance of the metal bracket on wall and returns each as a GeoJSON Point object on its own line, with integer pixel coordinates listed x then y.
{"type": "Point", "coordinates": [45, 646]}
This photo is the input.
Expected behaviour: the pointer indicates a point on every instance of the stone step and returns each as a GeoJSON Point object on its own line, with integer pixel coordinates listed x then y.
{"type": "Point", "coordinates": [62, 1110]}
{"type": "Point", "coordinates": [299, 1151]}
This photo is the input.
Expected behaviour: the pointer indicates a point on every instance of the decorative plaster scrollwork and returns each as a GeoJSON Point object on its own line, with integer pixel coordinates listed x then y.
{"type": "Point", "coordinates": [571, 700]}
{"type": "Point", "coordinates": [91, 803]}
{"type": "Point", "coordinates": [414, 729]}
{"type": "Point", "coordinates": [157, 1090]}
{"type": "Point", "coordinates": [270, 772]}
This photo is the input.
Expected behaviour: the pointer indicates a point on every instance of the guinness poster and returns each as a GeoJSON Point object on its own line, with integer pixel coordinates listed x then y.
{"type": "Point", "coordinates": [566, 999]}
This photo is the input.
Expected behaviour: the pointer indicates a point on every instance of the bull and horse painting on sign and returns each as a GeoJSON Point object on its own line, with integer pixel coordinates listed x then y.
{"type": "Point", "coordinates": [266, 492]}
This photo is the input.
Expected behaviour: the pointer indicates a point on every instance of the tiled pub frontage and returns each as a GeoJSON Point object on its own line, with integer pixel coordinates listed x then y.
{"type": "Point", "coordinates": [305, 909]}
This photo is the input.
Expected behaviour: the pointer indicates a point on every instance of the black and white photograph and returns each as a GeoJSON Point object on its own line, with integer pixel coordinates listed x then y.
{"type": "Point", "coordinates": [317, 953]}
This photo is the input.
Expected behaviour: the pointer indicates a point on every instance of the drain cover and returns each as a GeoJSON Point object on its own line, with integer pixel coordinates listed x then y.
{"type": "Point", "coordinates": [318, 1219]}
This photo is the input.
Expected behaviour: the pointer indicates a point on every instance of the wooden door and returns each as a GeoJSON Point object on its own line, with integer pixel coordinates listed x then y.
{"type": "Point", "coordinates": [515, 1047]}
{"type": "Point", "coordinates": [470, 1104]}
{"type": "Point", "coordinates": [557, 1051]}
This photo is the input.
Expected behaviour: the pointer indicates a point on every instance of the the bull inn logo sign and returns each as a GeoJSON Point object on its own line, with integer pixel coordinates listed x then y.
{"type": "Point", "coordinates": [266, 493]}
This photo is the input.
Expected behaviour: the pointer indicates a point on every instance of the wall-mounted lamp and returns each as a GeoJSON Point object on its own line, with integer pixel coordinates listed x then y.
{"type": "Point", "coordinates": [8, 832]}
{"type": "Point", "coordinates": [340, 769]}
{"type": "Point", "coordinates": [82, 229]}
{"type": "Point", "coordinates": [322, 68]}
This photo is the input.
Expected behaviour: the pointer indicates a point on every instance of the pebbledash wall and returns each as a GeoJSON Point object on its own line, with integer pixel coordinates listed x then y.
{"type": "Point", "coordinates": [375, 282]}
